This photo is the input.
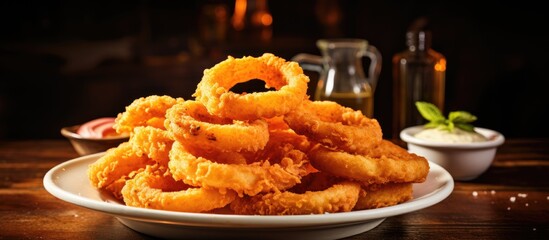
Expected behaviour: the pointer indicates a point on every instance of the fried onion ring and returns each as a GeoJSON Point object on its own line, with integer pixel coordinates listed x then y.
{"type": "Point", "coordinates": [250, 179]}
{"type": "Point", "coordinates": [285, 76]}
{"type": "Point", "coordinates": [191, 123]}
{"type": "Point", "coordinates": [154, 189]}
{"type": "Point", "coordinates": [385, 195]}
{"type": "Point", "coordinates": [115, 164]}
{"type": "Point", "coordinates": [115, 188]}
{"type": "Point", "coordinates": [335, 126]}
{"type": "Point", "coordinates": [145, 111]}
{"type": "Point", "coordinates": [277, 123]}
{"type": "Point", "coordinates": [218, 156]}
{"type": "Point", "coordinates": [386, 162]}
{"type": "Point", "coordinates": [340, 197]}
{"type": "Point", "coordinates": [272, 152]}
{"type": "Point", "coordinates": [153, 142]}
{"type": "Point", "coordinates": [280, 144]}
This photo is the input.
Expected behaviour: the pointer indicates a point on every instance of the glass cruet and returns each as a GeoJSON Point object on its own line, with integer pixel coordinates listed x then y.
{"type": "Point", "coordinates": [342, 78]}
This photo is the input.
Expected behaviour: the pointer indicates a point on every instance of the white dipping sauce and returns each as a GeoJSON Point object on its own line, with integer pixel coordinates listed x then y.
{"type": "Point", "coordinates": [444, 136]}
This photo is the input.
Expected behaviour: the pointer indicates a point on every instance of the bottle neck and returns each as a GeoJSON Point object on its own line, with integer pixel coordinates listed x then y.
{"type": "Point", "coordinates": [418, 41]}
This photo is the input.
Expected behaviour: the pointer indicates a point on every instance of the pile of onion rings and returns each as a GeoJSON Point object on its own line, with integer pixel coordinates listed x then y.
{"type": "Point", "coordinates": [260, 153]}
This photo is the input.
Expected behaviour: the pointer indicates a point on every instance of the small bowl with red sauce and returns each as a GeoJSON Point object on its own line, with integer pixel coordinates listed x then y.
{"type": "Point", "coordinates": [94, 136]}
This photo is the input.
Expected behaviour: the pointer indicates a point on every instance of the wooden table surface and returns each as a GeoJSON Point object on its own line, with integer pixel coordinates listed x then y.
{"type": "Point", "coordinates": [509, 201]}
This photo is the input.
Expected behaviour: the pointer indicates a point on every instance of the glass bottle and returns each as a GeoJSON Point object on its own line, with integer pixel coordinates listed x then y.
{"type": "Point", "coordinates": [418, 75]}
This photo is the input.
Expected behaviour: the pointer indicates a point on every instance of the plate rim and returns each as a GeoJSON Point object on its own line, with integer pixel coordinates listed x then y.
{"type": "Point", "coordinates": [237, 221]}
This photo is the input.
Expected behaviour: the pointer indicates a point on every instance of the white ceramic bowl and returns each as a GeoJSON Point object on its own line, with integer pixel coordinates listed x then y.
{"type": "Point", "coordinates": [464, 161]}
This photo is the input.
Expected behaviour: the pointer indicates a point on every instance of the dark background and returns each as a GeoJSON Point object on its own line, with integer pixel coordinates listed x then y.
{"type": "Point", "coordinates": [66, 62]}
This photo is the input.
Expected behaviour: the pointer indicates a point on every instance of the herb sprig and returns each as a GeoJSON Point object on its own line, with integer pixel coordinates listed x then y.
{"type": "Point", "coordinates": [456, 119]}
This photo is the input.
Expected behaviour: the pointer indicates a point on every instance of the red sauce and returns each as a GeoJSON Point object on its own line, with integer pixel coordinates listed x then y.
{"type": "Point", "coordinates": [98, 128]}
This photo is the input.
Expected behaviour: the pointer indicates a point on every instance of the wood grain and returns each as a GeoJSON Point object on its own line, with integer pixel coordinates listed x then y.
{"type": "Point", "coordinates": [509, 201]}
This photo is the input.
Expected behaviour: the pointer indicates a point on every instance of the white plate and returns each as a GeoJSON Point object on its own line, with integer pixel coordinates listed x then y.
{"type": "Point", "coordinates": [68, 181]}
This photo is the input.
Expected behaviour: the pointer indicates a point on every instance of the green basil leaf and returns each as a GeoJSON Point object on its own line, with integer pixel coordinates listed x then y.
{"type": "Point", "coordinates": [433, 124]}
{"type": "Point", "coordinates": [450, 126]}
{"type": "Point", "coordinates": [466, 127]}
{"type": "Point", "coordinates": [461, 117]}
{"type": "Point", "coordinates": [429, 111]}
{"type": "Point", "coordinates": [445, 128]}
{"type": "Point", "coordinates": [456, 119]}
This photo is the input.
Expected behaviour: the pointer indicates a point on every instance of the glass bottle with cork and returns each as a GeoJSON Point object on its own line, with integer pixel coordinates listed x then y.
{"type": "Point", "coordinates": [418, 75]}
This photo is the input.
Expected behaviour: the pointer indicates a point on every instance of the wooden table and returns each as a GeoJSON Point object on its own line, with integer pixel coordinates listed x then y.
{"type": "Point", "coordinates": [510, 201]}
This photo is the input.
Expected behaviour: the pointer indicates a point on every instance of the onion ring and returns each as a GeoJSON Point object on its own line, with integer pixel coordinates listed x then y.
{"type": "Point", "coordinates": [340, 197]}
{"type": "Point", "coordinates": [115, 188]}
{"type": "Point", "coordinates": [250, 179]}
{"type": "Point", "coordinates": [116, 163]}
{"type": "Point", "coordinates": [153, 188]}
{"type": "Point", "coordinates": [316, 181]}
{"type": "Point", "coordinates": [285, 76]}
{"type": "Point", "coordinates": [155, 143]}
{"type": "Point", "coordinates": [384, 195]}
{"type": "Point", "coordinates": [277, 123]}
{"type": "Point", "coordinates": [145, 111]}
{"type": "Point", "coordinates": [272, 152]}
{"type": "Point", "coordinates": [335, 126]}
{"type": "Point", "coordinates": [386, 162]}
{"type": "Point", "coordinates": [280, 144]}
{"type": "Point", "coordinates": [218, 156]}
{"type": "Point", "coordinates": [191, 123]}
